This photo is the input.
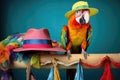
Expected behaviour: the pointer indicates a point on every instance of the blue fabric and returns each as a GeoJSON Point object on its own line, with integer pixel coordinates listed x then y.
{"type": "Point", "coordinates": [35, 41]}
{"type": "Point", "coordinates": [21, 57]}
{"type": "Point", "coordinates": [51, 74]}
{"type": "Point", "coordinates": [79, 73]}
{"type": "Point", "coordinates": [13, 39]}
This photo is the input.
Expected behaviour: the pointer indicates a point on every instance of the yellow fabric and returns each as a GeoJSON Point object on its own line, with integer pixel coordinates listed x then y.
{"type": "Point", "coordinates": [56, 71]}
{"type": "Point", "coordinates": [13, 44]}
{"type": "Point", "coordinates": [35, 61]}
{"type": "Point", "coordinates": [75, 6]}
{"type": "Point", "coordinates": [80, 3]}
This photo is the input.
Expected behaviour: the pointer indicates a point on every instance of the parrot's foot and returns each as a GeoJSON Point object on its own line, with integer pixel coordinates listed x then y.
{"type": "Point", "coordinates": [85, 54]}
{"type": "Point", "coordinates": [68, 54]}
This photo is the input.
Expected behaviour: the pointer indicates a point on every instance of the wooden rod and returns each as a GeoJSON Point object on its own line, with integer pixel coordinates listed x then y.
{"type": "Point", "coordinates": [64, 62]}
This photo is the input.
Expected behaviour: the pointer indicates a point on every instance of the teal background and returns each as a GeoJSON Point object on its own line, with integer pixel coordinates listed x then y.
{"type": "Point", "coordinates": [20, 15]}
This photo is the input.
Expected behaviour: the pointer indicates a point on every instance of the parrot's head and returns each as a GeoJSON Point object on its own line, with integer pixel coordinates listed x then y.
{"type": "Point", "coordinates": [79, 18]}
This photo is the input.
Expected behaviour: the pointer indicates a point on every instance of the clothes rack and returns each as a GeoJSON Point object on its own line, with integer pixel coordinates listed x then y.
{"type": "Point", "coordinates": [64, 62]}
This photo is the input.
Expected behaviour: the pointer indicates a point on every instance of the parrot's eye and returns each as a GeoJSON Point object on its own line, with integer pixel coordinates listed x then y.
{"type": "Point", "coordinates": [79, 13]}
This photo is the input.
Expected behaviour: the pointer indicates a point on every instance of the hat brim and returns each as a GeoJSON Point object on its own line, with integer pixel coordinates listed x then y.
{"type": "Point", "coordinates": [93, 11]}
{"type": "Point", "coordinates": [39, 49]}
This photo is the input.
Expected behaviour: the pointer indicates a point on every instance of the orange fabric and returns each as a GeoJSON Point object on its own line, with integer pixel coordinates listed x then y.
{"type": "Point", "coordinates": [56, 73]}
{"type": "Point", "coordinates": [4, 54]}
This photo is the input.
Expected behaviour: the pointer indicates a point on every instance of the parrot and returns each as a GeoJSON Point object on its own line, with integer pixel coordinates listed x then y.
{"type": "Point", "coordinates": [76, 36]}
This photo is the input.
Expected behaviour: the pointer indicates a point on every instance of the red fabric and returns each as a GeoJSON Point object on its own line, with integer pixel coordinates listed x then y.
{"type": "Point", "coordinates": [116, 64]}
{"type": "Point", "coordinates": [97, 65]}
{"type": "Point", "coordinates": [107, 74]}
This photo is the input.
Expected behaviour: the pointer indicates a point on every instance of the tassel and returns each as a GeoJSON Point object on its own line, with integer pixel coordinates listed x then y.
{"type": "Point", "coordinates": [79, 73]}
{"type": "Point", "coordinates": [51, 74]}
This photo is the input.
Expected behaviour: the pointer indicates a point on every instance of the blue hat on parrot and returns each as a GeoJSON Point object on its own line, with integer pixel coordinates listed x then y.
{"type": "Point", "coordinates": [81, 5]}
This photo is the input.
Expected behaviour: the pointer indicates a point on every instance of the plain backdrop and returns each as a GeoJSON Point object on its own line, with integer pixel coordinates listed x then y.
{"type": "Point", "coordinates": [20, 15]}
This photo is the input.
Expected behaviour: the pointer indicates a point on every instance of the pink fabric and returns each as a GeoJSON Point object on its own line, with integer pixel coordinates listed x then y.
{"type": "Point", "coordinates": [37, 46]}
{"type": "Point", "coordinates": [37, 34]}
{"type": "Point", "coordinates": [40, 34]}
{"type": "Point", "coordinates": [39, 49]}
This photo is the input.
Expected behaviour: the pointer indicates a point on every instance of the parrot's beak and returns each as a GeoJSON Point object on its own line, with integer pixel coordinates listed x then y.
{"type": "Point", "coordinates": [82, 20]}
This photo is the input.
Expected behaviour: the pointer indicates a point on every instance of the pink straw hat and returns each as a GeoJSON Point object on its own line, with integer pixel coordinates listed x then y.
{"type": "Point", "coordinates": [38, 40]}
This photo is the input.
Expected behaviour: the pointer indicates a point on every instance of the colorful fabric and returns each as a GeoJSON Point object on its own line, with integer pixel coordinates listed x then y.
{"type": "Point", "coordinates": [107, 74]}
{"type": "Point", "coordinates": [33, 38]}
{"type": "Point", "coordinates": [102, 62]}
{"type": "Point", "coordinates": [79, 73]}
{"type": "Point", "coordinates": [79, 6]}
{"type": "Point", "coordinates": [35, 61]}
{"type": "Point", "coordinates": [4, 54]}
{"type": "Point", "coordinates": [56, 71]}
{"type": "Point", "coordinates": [51, 74]}
{"type": "Point", "coordinates": [116, 64]}
{"type": "Point", "coordinates": [7, 45]}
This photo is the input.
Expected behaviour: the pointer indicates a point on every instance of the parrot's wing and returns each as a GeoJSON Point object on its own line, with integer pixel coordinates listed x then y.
{"type": "Point", "coordinates": [89, 35]}
{"type": "Point", "coordinates": [64, 36]}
